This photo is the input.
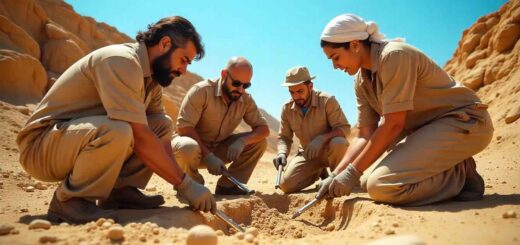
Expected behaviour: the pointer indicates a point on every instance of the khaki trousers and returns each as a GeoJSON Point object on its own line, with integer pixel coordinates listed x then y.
{"type": "Point", "coordinates": [428, 165]}
{"type": "Point", "coordinates": [188, 155]}
{"type": "Point", "coordinates": [301, 172]}
{"type": "Point", "coordinates": [91, 155]}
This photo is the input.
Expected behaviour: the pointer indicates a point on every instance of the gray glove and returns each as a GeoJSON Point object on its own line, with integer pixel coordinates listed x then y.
{"type": "Point", "coordinates": [313, 148]}
{"type": "Point", "coordinates": [323, 192]}
{"type": "Point", "coordinates": [344, 182]}
{"type": "Point", "coordinates": [236, 149]}
{"type": "Point", "coordinates": [199, 197]}
{"type": "Point", "coordinates": [281, 159]}
{"type": "Point", "coordinates": [214, 164]}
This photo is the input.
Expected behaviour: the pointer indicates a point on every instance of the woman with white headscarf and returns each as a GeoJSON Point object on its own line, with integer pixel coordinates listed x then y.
{"type": "Point", "coordinates": [430, 124]}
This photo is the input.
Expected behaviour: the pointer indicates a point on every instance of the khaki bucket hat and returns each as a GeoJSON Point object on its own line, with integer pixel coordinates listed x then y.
{"type": "Point", "coordinates": [297, 75]}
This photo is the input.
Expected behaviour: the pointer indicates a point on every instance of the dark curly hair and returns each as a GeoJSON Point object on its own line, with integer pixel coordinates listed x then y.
{"type": "Point", "coordinates": [179, 29]}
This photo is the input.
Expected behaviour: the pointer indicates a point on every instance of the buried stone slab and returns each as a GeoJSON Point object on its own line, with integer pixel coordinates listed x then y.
{"type": "Point", "coordinates": [270, 215]}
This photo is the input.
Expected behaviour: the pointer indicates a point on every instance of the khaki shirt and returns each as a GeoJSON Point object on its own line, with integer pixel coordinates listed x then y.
{"type": "Point", "coordinates": [113, 81]}
{"type": "Point", "coordinates": [324, 115]}
{"type": "Point", "coordinates": [205, 109]}
{"type": "Point", "coordinates": [404, 79]}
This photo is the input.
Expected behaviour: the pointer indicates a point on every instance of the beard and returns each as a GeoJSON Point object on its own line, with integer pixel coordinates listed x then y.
{"type": "Point", "coordinates": [233, 95]}
{"type": "Point", "coordinates": [161, 68]}
{"type": "Point", "coordinates": [300, 102]}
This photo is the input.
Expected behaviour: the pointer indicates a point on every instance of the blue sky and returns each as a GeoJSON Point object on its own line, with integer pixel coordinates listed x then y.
{"type": "Point", "coordinates": [277, 35]}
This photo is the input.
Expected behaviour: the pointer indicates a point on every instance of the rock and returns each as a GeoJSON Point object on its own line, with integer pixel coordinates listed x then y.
{"type": "Point", "coordinates": [29, 189]}
{"type": "Point", "coordinates": [100, 221]}
{"type": "Point", "coordinates": [509, 215]}
{"type": "Point", "coordinates": [116, 233]}
{"type": "Point", "coordinates": [506, 37]}
{"type": "Point", "coordinates": [15, 38]}
{"type": "Point", "coordinates": [253, 231]}
{"type": "Point", "coordinates": [151, 188]}
{"type": "Point", "coordinates": [473, 57]}
{"type": "Point", "coordinates": [219, 233]}
{"type": "Point", "coordinates": [250, 238]}
{"type": "Point", "coordinates": [474, 79]}
{"type": "Point", "coordinates": [40, 186]}
{"type": "Point", "coordinates": [513, 115]}
{"type": "Point", "coordinates": [390, 232]}
{"type": "Point", "coordinates": [40, 224]}
{"type": "Point", "coordinates": [5, 229]}
{"type": "Point", "coordinates": [58, 55]}
{"type": "Point", "coordinates": [471, 42]}
{"type": "Point", "coordinates": [201, 235]}
{"type": "Point", "coordinates": [48, 238]}
{"type": "Point", "coordinates": [240, 235]}
{"type": "Point", "coordinates": [24, 79]}
{"type": "Point", "coordinates": [399, 240]}
{"type": "Point", "coordinates": [330, 227]}
{"type": "Point", "coordinates": [395, 224]}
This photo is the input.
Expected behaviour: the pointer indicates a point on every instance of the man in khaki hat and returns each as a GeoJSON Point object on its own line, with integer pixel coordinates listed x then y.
{"type": "Point", "coordinates": [209, 113]}
{"type": "Point", "coordinates": [102, 131]}
{"type": "Point", "coordinates": [319, 123]}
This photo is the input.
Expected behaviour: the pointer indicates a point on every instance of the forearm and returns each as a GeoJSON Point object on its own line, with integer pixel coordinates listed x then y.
{"type": "Point", "coordinates": [376, 146]}
{"type": "Point", "coordinates": [258, 134]}
{"type": "Point", "coordinates": [190, 132]}
{"type": "Point", "coordinates": [334, 133]}
{"type": "Point", "coordinates": [352, 152]}
{"type": "Point", "coordinates": [157, 157]}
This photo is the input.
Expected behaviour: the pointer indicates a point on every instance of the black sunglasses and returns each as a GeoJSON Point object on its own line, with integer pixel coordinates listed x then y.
{"type": "Point", "coordinates": [237, 83]}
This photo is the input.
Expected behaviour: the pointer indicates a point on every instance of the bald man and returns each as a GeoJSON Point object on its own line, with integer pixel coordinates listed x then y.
{"type": "Point", "coordinates": [209, 113]}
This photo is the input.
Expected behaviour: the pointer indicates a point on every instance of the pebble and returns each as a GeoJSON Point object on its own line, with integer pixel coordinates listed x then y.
{"type": "Point", "coordinates": [106, 224]}
{"type": "Point", "coordinates": [24, 210]}
{"type": "Point", "coordinates": [40, 224]}
{"type": "Point", "coordinates": [240, 235]}
{"type": "Point", "coordinates": [15, 231]}
{"type": "Point", "coordinates": [395, 224]}
{"type": "Point", "coordinates": [5, 229]}
{"type": "Point", "coordinates": [509, 215]}
{"type": "Point", "coordinates": [40, 186]}
{"type": "Point", "coordinates": [252, 230]}
{"type": "Point", "coordinates": [100, 221]}
{"type": "Point", "coordinates": [29, 189]}
{"type": "Point", "coordinates": [390, 232]}
{"type": "Point", "coordinates": [116, 233]}
{"type": "Point", "coordinates": [250, 238]}
{"type": "Point", "coordinates": [151, 188]}
{"type": "Point", "coordinates": [48, 238]}
{"type": "Point", "coordinates": [155, 231]}
{"type": "Point", "coordinates": [142, 238]}
{"type": "Point", "coordinates": [330, 227]}
{"type": "Point", "coordinates": [219, 233]}
{"type": "Point", "coordinates": [201, 235]}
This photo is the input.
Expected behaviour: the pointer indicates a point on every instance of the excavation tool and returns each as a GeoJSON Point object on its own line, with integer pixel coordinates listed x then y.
{"type": "Point", "coordinates": [228, 220]}
{"type": "Point", "coordinates": [304, 208]}
{"type": "Point", "coordinates": [243, 187]}
{"type": "Point", "coordinates": [278, 175]}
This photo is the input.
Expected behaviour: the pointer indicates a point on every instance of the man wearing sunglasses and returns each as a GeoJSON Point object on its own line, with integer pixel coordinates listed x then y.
{"type": "Point", "coordinates": [209, 113]}
{"type": "Point", "coordinates": [319, 123]}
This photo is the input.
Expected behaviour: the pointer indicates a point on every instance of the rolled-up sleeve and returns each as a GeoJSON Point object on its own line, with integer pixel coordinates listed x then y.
{"type": "Point", "coordinates": [367, 116]}
{"type": "Point", "coordinates": [398, 75]}
{"type": "Point", "coordinates": [285, 134]}
{"type": "Point", "coordinates": [120, 84]}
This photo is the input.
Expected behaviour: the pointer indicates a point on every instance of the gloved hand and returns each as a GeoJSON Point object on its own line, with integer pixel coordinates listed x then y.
{"type": "Point", "coordinates": [313, 148]}
{"type": "Point", "coordinates": [214, 164]}
{"type": "Point", "coordinates": [281, 159]}
{"type": "Point", "coordinates": [323, 192]}
{"type": "Point", "coordinates": [199, 197]}
{"type": "Point", "coordinates": [344, 182]}
{"type": "Point", "coordinates": [236, 149]}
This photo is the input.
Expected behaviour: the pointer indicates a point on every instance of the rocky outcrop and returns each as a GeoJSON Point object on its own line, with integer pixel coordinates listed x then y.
{"type": "Point", "coordinates": [487, 61]}
{"type": "Point", "coordinates": [48, 36]}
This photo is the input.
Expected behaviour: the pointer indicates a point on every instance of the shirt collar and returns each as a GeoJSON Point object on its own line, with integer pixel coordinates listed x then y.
{"type": "Point", "coordinates": [142, 53]}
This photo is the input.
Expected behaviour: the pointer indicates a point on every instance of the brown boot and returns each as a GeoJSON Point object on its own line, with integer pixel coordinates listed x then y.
{"type": "Point", "coordinates": [473, 189]}
{"type": "Point", "coordinates": [130, 198]}
{"type": "Point", "coordinates": [77, 211]}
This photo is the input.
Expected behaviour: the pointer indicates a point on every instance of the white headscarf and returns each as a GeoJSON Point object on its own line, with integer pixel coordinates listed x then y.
{"type": "Point", "coordinates": [349, 27]}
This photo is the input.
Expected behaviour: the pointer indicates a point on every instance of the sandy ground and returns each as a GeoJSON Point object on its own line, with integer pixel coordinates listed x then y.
{"type": "Point", "coordinates": [348, 220]}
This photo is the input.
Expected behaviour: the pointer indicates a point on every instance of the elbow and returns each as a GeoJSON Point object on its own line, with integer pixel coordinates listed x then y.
{"type": "Point", "coordinates": [263, 131]}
